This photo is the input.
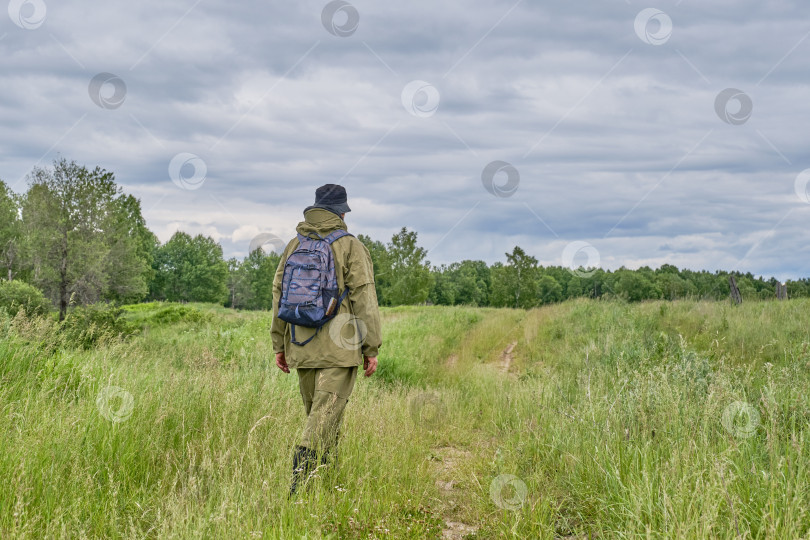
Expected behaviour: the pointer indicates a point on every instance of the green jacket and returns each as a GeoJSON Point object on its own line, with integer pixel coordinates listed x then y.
{"type": "Point", "coordinates": [337, 343]}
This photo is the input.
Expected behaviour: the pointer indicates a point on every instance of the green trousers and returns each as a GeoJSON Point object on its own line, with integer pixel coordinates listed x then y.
{"type": "Point", "coordinates": [325, 392]}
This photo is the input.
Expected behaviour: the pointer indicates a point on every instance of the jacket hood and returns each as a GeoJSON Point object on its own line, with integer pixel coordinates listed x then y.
{"type": "Point", "coordinates": [321, 221]}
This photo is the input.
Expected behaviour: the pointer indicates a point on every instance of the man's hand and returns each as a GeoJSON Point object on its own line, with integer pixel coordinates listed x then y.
{"type": "Point", "coordinates": [281, 362]}
{"type": "Point", "coordinates": [369, 365]}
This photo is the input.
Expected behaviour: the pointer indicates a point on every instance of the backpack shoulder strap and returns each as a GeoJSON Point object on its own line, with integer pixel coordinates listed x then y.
{"type": "Point", "coordinates": [302, 238]}
{"type": "Point", "coordinates": [334, 235]}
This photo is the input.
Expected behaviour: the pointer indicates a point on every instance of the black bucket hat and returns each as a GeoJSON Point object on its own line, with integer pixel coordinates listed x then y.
{"type": "Point", "coordinates": [331, 197]}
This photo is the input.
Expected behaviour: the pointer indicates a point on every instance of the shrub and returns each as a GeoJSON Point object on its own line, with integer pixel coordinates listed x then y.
{"type": "Point", "coordinates": [143, 307]}
{"type": "Point", "coordinates": [16, 295]}
{"type": "Point", "coordinates": [174, 313]}
{"type": "Point", "coordinates": [87, 325]}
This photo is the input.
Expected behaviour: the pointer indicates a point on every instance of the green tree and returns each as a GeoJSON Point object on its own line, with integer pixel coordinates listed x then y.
{"type": "Point", "coordinates": [381, 260]}
{"type": "Point", "coordinates": [635, 285]}
{"type": "Point", "coordinates": [411, 279]}
{"type": "Point", "coordinates": [190, 270]}
{"type": "Point", "coordinates": [258, 271]}
{"type": "Point", "coordinates": [515, 283]}
{"type": "Point", "coordinates": [11, 232]}
{"type": "Point", "coordinates": [250, 281]}
{"type": "Point", "coordinates": [575, 287]}
{"type": "Point", "coordinates": [672, 284]}
{"type": "Point", "coordinates": [238, 287]}
{"type": "Point", "coordinates": [472, 279]}
{"type": "Point", "coordinates": [798, 288]}
{"type": "Point", "coordinates": [84, 236]}
{"type": "Point", "coordinates": [444, 287]}
{"type": "Point", "coordinates": [748, 290]}
{"type": "Point", "coordinates": [549, 291]}
{"type": "Point", "coordinates": [129, 236]}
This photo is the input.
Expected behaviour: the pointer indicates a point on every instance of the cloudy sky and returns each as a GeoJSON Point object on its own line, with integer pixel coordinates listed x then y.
{"type": "Point", "coordinates": [615, 132]}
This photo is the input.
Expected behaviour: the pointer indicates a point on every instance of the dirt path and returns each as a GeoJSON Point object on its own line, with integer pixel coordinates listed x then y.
{"type": "Point", "coordinates": [506, 357]}
{"type": "Point", "coordinates": [447, 463]}
{"type": "Point", "coordinates": [457, 531]}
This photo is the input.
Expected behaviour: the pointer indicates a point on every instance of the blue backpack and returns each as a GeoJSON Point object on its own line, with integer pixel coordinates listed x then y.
{"type": "Point", "coordinates": [309, 287]}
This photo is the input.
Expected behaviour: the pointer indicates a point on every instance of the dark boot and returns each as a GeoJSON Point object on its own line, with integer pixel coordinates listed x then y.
{"type": "Point", "coordinates": [303, 461]}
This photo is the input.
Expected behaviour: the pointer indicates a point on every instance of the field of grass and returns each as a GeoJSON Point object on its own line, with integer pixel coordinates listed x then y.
{"type": "Point", "coordinates": [584, 419]}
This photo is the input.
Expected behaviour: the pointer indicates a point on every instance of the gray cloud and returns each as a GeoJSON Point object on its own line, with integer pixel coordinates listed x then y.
{"type": "Point", "coordinates": [617, 141]}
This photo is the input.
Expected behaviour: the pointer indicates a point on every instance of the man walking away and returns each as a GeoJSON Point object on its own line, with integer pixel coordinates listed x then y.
{"type": "Point", "coordinates": [326, 357]}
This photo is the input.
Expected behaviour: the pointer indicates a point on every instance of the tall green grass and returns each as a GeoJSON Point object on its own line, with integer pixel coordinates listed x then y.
{"type": "Point", "coordinates": [617, 419]}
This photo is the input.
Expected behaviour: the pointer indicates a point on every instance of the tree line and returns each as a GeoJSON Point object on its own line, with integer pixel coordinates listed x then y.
{"type": "Point", "coordinates": [78, 238]}
{"type": "Point", "coordinates": [404, 276]}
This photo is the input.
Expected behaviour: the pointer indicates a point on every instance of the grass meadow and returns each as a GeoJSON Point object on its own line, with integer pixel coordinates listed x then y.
{"type": "Point", "coordinates": [587, 419]}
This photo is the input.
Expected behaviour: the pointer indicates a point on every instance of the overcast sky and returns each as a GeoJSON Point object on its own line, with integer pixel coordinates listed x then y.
{"type": "Point", "coordinates": [617, 140]}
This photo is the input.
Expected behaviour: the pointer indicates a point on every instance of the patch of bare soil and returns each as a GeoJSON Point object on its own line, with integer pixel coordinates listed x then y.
{"type": "Point", "coordinates": [506, 357]}
{"type": "Point", "coordinates": [452, 360]}
{"type": "Point", "coordinates": [445, 467]}
{"type": "Point", "coordinates": [457, 531]}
